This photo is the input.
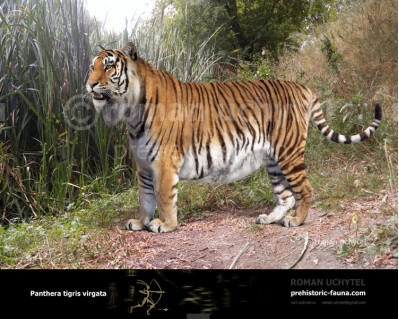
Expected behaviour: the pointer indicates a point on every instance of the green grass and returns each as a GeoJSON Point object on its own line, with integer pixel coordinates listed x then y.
{"type": "Point", "coordinates": [66, 241]}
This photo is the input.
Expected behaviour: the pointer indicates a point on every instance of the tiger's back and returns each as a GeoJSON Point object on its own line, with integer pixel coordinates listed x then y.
{"type": "Point", "coordinates": [213, 132]}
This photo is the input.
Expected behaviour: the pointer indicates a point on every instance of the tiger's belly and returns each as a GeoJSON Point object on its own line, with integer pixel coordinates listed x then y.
{"type": "Point", "coordinates": [212, 168]}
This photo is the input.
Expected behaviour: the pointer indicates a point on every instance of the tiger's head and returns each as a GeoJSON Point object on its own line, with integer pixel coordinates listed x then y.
{"type": "Point", "coordinates": [114, 82]}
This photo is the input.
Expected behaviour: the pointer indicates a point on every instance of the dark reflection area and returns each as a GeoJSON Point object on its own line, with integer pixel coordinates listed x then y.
{"type": "Point", "coordinates": [158, 293]}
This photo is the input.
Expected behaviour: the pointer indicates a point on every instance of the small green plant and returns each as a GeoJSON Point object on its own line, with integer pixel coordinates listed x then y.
{"type": "Point", "coordinates": [260, 68]}
{"type": "Point", "coordinates": [376, 243]}
{"type": "Point", "coordinates": [333, 57]}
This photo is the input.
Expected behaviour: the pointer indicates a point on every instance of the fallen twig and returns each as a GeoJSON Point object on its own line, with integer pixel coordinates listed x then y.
{"type": "Point", "coordinates": [238, 256]}
{"type": "Point", "coordinates": [289, 254]}
{"type": "Point", "coordinates": [302, 252]}
{"type": "Point", "coordinates": [200, 257]}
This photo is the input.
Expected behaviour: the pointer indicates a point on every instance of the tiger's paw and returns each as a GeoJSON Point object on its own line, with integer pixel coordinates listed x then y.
{"type": "Point", "coordinates": [265, 219]}
{"type": "Point", "coordinates": [134, 224]}
{"type": "Point", "coordinates": [291, 221]}
{"type": "Point", "coordinates": [158, 226]}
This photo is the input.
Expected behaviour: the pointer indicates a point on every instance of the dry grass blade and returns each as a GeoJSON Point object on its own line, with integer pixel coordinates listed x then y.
{"type": "Point", "coordinates": [305, 246]}
{"type": "Point", "coordinates": [239, 255]}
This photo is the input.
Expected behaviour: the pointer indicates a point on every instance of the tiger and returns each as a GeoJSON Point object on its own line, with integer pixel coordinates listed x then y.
{"type": "Point", "coordinates": [214, 132]}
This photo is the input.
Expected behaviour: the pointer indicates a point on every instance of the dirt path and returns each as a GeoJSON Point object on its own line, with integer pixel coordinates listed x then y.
{"type": "Point", "coordinates": [215, 241]}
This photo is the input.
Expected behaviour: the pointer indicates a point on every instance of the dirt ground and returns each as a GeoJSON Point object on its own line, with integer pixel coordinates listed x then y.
{"type": "Point", "coordinates": [216, 240]}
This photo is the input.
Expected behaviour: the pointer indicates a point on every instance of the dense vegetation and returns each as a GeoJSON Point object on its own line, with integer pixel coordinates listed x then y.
{"type": "Point", "coordinates": [54, 161]}
{"type": "Point", "coordinates": [246, 27]}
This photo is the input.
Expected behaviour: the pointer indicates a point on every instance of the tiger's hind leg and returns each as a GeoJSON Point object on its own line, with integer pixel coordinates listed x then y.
{"type": "Point", "coordinates": [285, 197]}
{"type": "Point", "coordinates": [299, 184]}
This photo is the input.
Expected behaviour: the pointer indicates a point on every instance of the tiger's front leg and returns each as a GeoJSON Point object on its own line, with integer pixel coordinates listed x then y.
{"type": "Point", "coordinates": [147, 202]}
{"type": "Point", "coordinates": [166, 195]}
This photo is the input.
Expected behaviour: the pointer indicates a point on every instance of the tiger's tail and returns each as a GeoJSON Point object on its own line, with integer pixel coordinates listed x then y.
{"type": "Point", "coordinates": [316, 115]}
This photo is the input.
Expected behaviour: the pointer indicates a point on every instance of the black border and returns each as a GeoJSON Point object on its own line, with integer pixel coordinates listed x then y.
{"type": "Point", "coordinates": [215, 293]}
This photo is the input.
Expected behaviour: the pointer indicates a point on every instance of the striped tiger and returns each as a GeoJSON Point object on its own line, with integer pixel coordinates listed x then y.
{"type": "Point", "coordinates": [212, 132]}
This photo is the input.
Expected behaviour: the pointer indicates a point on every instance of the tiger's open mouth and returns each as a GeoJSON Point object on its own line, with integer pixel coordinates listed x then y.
{"type": "Point", "coordinates": [99, 96]}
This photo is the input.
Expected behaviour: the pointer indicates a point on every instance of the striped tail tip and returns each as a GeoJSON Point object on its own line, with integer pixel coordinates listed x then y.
{"type": "Point", "coordinates": [378, 112]}
{"type": "Point", "coordinates": [344, 139]}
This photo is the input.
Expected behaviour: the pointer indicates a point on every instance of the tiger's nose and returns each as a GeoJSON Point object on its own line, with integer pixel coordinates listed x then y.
{"type": "Point", "coordinates": [92, 83]}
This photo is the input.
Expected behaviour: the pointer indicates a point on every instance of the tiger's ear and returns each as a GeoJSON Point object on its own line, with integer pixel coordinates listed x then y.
{"type": "Point", "coordinates": [130, 50]}
{"type": "Point", "coordinates": [99, 49]}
